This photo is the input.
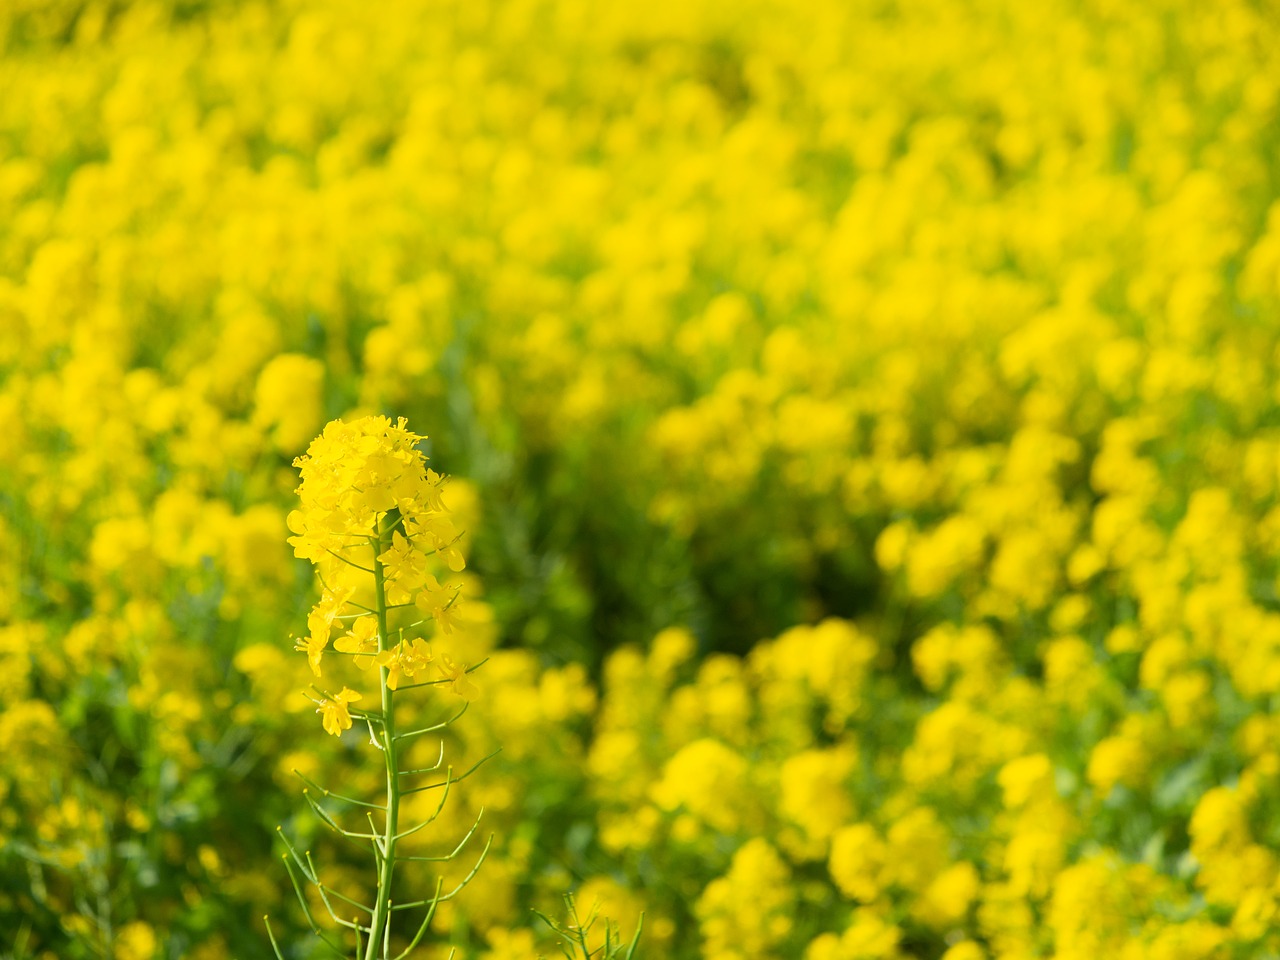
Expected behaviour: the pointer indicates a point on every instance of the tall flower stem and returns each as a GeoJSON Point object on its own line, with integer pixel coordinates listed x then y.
{"type": "Point", "coordinates": [370, 476]}
{"type": "Point", "coordinates": [382, 907]}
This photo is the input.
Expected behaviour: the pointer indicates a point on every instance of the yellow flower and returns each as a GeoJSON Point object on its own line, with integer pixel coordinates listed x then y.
{"type": "Point", "coordinates": [361, 640]}
{"type": "Point", "coordinates": [404, 660]}
{"type": "Point", "coordinates": [456, 674]}
{"type": "Point", "coordinates": [858, 862]}
{"type": "Point", "coordinates": [288, 399]}
{"type": "Point", "coordinates": [814, 794]}
{"type": "Point", "coordinates": [945, 901]}
{"type": "Point", "coordinates": [334, 710]}
{"type": "Point", "coordinates": [1026, 781]}
{"type": "Point", "coordinates": [1117, 759]}
{"type": "Point", "coordinates": [404, 566]}
{"type": "Point", "coordinates": [351, 474]}
{"type": "Point", "coordinates": [748, 912]}
{"type": "Point", "coordinates": [313, 646]}
{"type": "Point", "coordinates": [439, 603]}
{"type": "Point", "coordinates": [135, 941]}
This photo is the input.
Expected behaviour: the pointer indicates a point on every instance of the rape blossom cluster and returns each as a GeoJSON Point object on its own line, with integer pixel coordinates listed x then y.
{"type": "Point", "coordinates": [353, 476]}
{"type": "Point", "coordinates": [865, 458]}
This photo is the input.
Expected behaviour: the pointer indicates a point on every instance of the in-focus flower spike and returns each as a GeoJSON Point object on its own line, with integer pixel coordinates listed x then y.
{"type": "Point", "coordinates": [352, 474]}
{"type": "Point", "coordinates": [368, 500]}
{"type": "Point", "coordinates": [373, 523]}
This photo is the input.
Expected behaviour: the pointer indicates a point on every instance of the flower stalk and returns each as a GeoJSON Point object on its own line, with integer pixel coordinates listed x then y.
{"type": "Point", "coordinates": [382, 911]}
{"type": "Point", "coordinates": [370, 476]}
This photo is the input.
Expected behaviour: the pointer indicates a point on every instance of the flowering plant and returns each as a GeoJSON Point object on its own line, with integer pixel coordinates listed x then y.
{"type": "Point", "coordinates": [373, 522]}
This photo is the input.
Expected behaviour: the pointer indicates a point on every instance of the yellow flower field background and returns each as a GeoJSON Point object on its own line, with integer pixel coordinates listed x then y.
{"type": "Point", "coordinates": [862, 417]}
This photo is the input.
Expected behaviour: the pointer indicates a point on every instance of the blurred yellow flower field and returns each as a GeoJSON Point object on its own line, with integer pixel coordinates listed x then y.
{"type": "Point", "coordinates": [862, 440]}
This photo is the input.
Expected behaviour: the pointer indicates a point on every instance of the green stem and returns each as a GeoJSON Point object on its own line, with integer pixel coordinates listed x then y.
{"type": "Point", "coordinates": [382, 907]}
